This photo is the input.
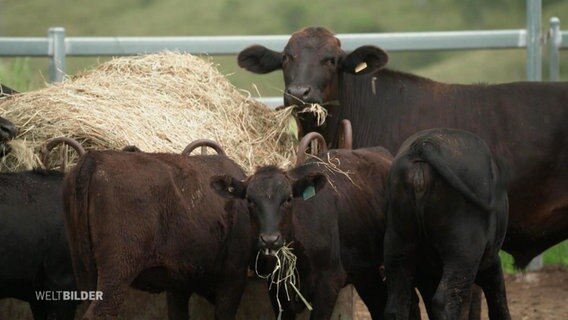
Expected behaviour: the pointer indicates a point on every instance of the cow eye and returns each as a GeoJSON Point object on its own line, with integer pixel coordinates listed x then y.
{"type": "Point", "coordinates": [330, 60]}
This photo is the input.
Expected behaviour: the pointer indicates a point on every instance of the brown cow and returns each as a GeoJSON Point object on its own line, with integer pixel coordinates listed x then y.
{"type": "Point", "coordinates": [336, 232]}
{"type": "Point", "coordinates": [150, 221]}
{"type": "Point", "coordinates": [523, 123]}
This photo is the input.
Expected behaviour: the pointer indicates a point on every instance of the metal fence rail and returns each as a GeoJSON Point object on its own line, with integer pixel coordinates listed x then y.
{"type": "Point", "coordinates": [57, 47]}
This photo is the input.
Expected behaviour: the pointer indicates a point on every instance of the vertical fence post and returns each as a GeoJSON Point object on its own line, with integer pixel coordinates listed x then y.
{"type": "Point", "coordinates": [534, 67]}
{"type": "Point", "coordinates": [57, 53]}
{"type": "Point", "coordinates": [555, 40]}
{"type": "Point", "coordinates": [534, 51]}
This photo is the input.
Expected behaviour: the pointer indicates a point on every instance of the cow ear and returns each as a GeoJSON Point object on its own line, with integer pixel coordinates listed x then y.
{"type": "Point", "coordinates": [228, 187]}
{"type": "Point", "coordinates": [259, 59]}
{"type": "Point", "coordinates": [364, 60]}
{"type": "Point", "coordinates": [308, 185]}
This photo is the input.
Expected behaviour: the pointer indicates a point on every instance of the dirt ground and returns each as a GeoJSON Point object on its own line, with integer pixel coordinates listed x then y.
{"type": "Point", "coordinates": [531, 295]}
{"type": "Point", "coordinates": [541, 295]}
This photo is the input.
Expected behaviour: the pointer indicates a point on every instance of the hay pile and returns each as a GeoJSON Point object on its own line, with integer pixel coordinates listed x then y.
{"type": "Point", "coordinates": [158, 102]}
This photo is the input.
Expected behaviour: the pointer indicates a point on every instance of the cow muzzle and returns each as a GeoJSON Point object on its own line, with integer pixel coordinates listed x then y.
{"type": "Point", "coordinates": [270, 242]}
{"type": "Point", "coordinates": [300, 95]}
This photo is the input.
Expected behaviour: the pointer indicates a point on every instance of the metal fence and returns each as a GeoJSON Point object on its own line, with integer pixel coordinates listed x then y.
{"type": "Point", "coordinates": [57, 47]}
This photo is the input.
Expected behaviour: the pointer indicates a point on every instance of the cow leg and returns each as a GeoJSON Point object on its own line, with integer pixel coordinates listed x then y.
{"type": "Point", "coordinates": [178, 304]}
{"type": "Point", "coordinates": [39, 311]}
{"type": "Point", "coordinates": [114, 292]}
{"type": "Point", "coordinates": [228, 297]}
{"type": "Point", "coordinates": [399, 268]}
{"type": "Point", "coordinates": [327, 290]}
{"type": "Point", "coordinates": [493, 285]}
{"type": "Point", "coordinates": [61, 310]}
{"type": "Point", "coordinates": [373, 292]}
{"type": "Point", "coordinates": [475, 306]}
{"type": "Point", "coordinates": [116, 271]}
{"type": "Point", "coordinates": [453, 295]}
{"type": "Point", "coordinates": [427, 285]}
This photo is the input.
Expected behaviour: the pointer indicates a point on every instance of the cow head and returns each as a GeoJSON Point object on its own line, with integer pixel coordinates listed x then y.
{"type": "Point", "coordinates": [8, 132]}
{"type": "Point", "coordinates": [269, 193]}
{"type": "Point", "coordinates": [311, 63]}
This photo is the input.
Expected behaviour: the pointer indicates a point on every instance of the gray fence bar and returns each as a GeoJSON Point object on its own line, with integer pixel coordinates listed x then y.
{"type": "Point", "coordinates": [534, 51]}
{"type": "Point", "coordinates": [57, 52]}
{"type": "Point", "coordinates": [58, 47]}
{"type": "Point", "coordinates": [228, 45]}
{"type": "Point", "coordinates": [18, 47]}
{"type": "Point", "coordinates": [555, 41]}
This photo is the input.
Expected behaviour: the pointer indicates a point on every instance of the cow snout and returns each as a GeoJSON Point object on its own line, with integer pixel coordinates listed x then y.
{"type": "Point", "coordinates": [8, 131]}
{"type": "Point", "coordinates": [298, 94]}
{"type": "Point", "coordinates": [271, 240]}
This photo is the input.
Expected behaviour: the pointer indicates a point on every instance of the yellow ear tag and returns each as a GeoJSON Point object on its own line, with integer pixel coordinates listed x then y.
{"type": "Point", "coordinates": [309, 192]}
{"type": "Point", "coordinates": [360, 67]}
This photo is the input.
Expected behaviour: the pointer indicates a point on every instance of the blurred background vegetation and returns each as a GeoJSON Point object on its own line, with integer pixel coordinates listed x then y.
{"type": "Point", "coordinates": [259, 17]}
{"type": "Point", "coordinates": [255, 17]}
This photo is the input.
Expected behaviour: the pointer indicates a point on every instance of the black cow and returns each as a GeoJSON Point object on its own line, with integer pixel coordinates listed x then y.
{"type": "Point", "coordinates": [446, 219]}
{"type": "Point", "coordinates": [8, 131]}
{"type": "Point", "coordinates": [150, 221]}
{"type": "Point", "coordinates": [335, 232]}
{"type": "Point", "coordinates": [524, 123]}
{"type": "Point", "coordinates": [6, 91]}
{"type": "Point", "coordinates": [35, 264]}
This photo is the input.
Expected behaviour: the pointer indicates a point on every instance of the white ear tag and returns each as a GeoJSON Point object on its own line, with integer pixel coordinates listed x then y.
{"type": "Point", "coordinates": [309, 192]}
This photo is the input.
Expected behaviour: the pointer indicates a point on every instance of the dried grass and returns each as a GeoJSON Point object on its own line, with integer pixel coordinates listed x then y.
{"type": "Point", "coordinates": [158, 102]}
{"type": "Point", "coordinates": [332, 166]}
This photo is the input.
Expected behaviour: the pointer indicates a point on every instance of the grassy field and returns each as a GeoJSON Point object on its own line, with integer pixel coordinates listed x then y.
{"type": "Point", "coordinates": [236, 17]}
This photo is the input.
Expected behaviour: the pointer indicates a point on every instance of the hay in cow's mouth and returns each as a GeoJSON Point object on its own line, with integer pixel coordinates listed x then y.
{"type": "Point", "coordinates": [284, 274]}
{"type": "Point", "coordinates": [319, 112]}
{"type": "Point", "coordinates": [158, 102]}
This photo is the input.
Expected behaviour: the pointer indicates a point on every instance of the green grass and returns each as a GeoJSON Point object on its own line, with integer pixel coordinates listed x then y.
{"type": "Point", "coordinates": [557, 255]}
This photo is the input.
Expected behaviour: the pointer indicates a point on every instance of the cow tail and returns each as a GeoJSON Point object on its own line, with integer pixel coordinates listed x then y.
{"type": "Point", "coordinates": [432, 157]}
{"type": "Point", "coordinates": [82, 253]}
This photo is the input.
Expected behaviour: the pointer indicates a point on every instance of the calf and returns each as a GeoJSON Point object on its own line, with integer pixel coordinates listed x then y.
{"type": "Point", "coordinates": [150, 221]}
{"type": "Point", "coordinates": [445, 223]}
{"type": "Point", "coordinates": [34, 256]}
{"type": "Point", "coordinates": [335, 231]}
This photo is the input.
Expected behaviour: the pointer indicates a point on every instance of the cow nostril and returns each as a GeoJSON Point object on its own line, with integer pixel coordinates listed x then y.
{"type": "Point", "coordinates": [307, 92]}
{"type": "Point", "coordinates": [270, 239]}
